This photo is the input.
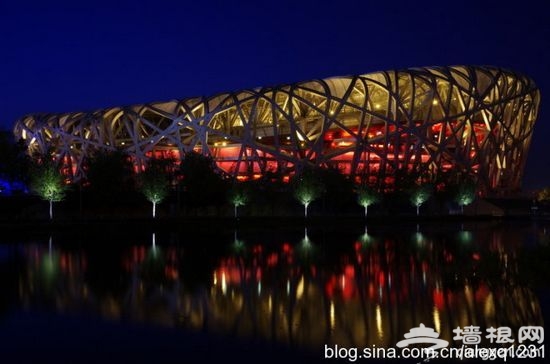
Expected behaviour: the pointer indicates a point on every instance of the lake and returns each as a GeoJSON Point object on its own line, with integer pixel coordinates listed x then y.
{"type": "Point", "coordinates": [265, 294]}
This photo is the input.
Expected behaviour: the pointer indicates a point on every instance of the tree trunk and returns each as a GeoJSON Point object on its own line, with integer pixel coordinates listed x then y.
{"type": "Point", "coordinates": [462, 209]}
{"type": "Point", "coordinates": [305, 210]}
{"type": "Point", "coordinates": [417, 210]}
{"type": "Point", "coordinates": [154, 209]}
{"type": "Point", "coordinates": [235, 211]}
{"type": "Point", "coordinates": [51, 209]}
{"type": "Point", "coordinates": [366, 210]}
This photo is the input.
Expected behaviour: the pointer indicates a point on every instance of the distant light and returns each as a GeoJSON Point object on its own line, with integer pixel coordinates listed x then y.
{"type": "Point", "coordinates": [122, 143]}
{"type": "Point", "coordinates": [300, 288]}
{"type": "Point", "coordinates": [331, 112]}
{"type": "Point", "coordinates": [435, 102]}
{"type": "Point", "coordinates": [259, 138]}
{"type": "Point", "coordinates": [287, 138]}
{"type": "Point", "coordinates": [224, 283]}
{"type": "Point", "coordinates": [377, 106]}
{"type": "Point", "coordinates": [332, 315]}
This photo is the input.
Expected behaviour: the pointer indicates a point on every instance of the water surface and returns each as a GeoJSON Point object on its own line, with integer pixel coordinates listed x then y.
{"type": "Point", "coordinates": [299, 289]}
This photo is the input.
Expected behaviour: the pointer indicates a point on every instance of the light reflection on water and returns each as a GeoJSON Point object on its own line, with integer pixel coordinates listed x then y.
{"type": "Point", "coordinates": [320, 288]}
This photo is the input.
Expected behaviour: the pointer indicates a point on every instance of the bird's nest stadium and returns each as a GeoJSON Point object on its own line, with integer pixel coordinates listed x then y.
{"type": "Point", "coordinates": [427, 122]}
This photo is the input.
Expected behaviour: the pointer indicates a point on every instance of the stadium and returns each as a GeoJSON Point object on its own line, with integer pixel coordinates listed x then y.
{"type": "Point", "coordinates": [427, 122]}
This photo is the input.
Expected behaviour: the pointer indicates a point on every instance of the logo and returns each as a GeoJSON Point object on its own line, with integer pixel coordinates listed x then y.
{"type": "Point", "coordinates": [423, 335]}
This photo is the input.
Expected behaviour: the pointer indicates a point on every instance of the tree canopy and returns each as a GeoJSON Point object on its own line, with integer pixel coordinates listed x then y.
{"type": "Point", "coordinates": [110, 177]}
{"type": "Point", "coordinates": [154, 182]}
{"type": "Point", "coordinates": [367, 196]}
{"type": "Point", "coordinates": [202, 182]}
{"type": "Point", "coordinates": [420, 194]}
{"type": "Point", "coordinates": [307, 187]}
{"type": "Point", "coordinates": [48, 183]}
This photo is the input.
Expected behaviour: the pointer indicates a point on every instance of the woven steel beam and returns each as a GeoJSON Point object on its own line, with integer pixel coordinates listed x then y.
{"type": "Point", "coordinates": [421, 121]}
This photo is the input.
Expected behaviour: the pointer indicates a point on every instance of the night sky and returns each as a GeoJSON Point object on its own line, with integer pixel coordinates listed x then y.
{"type": "Point", "coordinates": [68, 56]}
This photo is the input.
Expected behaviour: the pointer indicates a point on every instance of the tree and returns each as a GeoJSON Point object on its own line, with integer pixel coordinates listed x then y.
{"type": "Point", "coordinates": [419, 195]}
{"type": "Point", "coordinates": [465, 194]}
{"type": "Point", "coordinates": [110, 177]}
{"type": "Point", "coordinates": [202, 181]}
{"type": "Point", "coordinates": [367, 196]}
{"type": "Point", "coordinates": [14, 163]}
{"type": "Point", "coordinates": [154, 183]}
{"type": "Point", "coordinates": [238, 196]}
{"type": "Point", "coordinates": [307, 187]}
{"type": "Point", "coordinates": [338, 190]}
{"type": "Point", "coordinates": [48, 183]}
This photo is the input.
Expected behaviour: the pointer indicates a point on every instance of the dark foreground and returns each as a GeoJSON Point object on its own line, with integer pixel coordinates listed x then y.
{"type": "Point", "coordinates": [66, 339]}
{"type": "Point", "coordinates": [49, 338]}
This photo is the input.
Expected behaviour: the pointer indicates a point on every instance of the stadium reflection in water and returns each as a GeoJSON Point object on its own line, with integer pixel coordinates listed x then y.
{"type": "Point", "coordinates": [353, 292]}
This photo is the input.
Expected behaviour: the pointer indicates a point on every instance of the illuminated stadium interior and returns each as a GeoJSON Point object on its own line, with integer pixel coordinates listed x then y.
{"type": "Point", "coordinates": [425, 122]}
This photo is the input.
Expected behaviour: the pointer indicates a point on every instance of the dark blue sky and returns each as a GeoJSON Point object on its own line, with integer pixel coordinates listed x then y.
{"type": "Point", "coordinates": [66, 56]}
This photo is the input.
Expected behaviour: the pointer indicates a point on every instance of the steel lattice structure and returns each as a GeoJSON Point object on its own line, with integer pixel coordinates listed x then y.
{"type": "Point", "coordinates": [426, 121]}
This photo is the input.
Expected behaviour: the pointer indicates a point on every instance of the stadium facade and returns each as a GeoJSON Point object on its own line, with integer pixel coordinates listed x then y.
{"type": "Point", "coordinates": [427, 122]}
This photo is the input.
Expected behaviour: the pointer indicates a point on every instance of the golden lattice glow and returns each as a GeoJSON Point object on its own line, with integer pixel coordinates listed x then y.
{"type": "Point", "coordinates": [427, 121]}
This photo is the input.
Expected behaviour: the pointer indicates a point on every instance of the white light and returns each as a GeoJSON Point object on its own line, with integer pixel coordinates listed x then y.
{"type": "Point", "coordinates": [332, 316]}
{"type": "Point", "coordinates": [224, 284]}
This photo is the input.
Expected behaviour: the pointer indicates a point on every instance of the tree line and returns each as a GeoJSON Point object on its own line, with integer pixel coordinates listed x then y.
{"type": "Point", "coordinates": [196, 183]}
